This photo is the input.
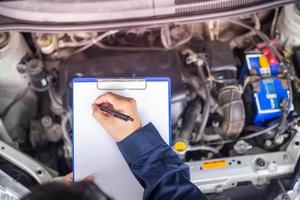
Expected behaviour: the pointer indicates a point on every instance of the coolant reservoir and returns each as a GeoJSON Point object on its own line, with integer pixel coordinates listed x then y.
{"type": "Point", "coordinates": [289, 26]}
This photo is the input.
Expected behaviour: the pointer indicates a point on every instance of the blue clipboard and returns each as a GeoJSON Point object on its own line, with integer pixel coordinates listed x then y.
{"type": "Point", "coordinates": [88, 86]}
{"type": "Point", "coordinates": [147, 79]}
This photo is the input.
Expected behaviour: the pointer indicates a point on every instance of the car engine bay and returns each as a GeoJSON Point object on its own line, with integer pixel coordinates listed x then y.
{"type": "Point", "coordinates": [235, 90]}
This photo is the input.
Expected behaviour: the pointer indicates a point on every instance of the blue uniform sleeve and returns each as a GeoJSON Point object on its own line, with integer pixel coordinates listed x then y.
{"type": "Point", "coordinates": [158, 169]}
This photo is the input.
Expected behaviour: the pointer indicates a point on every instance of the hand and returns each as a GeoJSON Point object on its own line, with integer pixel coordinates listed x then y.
{"type": "Point", "coordinates": [117, 128]}
{"type": "Point", "coordinates": [69, 178]}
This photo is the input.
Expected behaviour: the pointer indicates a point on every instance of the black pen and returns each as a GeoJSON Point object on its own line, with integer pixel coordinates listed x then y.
{"type": "Point", "coordinates": [115, 113]}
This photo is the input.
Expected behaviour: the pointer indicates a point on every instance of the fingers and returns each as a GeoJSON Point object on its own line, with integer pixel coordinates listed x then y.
{"type": "Point", "coordinates": [107, 97]}
{"type": "Point", "coordinates": [99, 114]}
{"type": "Point", "coordinates": [112, 98]}
{"type": "Point", "coordinates": [69, 178]}
{"type": "Point", "coordinates": [115, 127]}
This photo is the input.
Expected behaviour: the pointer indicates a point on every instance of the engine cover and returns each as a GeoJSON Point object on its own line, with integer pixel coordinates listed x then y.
{"type": "Point", "coordinates": [137, 64]}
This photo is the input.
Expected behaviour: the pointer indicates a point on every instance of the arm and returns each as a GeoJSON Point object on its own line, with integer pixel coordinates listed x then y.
{"type": "Point", "coordinates": [152, 161]}
{"type": "Point", "coordinates": [158, 169]}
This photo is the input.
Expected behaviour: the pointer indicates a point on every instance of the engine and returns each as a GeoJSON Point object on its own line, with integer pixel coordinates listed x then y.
{"type": "Point", "coordinates": [218, 96]}
{"type": "Point", "coordinates": [234, 91]}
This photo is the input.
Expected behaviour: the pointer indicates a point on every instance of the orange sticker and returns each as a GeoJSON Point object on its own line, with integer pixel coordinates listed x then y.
{"type": "Point", "coordinates": [214, 164]}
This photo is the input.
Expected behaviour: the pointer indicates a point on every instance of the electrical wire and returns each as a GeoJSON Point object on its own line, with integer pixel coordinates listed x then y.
{"type": "Point", "coordinates": [263, 36]}
{"type": "Point", "coordinates": [94, 41]}
{"type": "Point", "coordinates": [291, 96]}
{"type": "Point", "coordinates": [237, 41]}
{"type": "Point", "coordinates": [256, 134]}
{"type": "Point", "coordinates": [274, 22]}
{"type": "Point", "coordinates": [66, 137]}
{"type": "Point", "coordinates": [204, 148]}
{"type": "Point", "coordinates": [74, 43]}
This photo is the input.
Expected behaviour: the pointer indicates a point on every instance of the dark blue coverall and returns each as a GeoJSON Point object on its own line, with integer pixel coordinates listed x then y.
{"type": "Point", "coordinates": [158, 169]}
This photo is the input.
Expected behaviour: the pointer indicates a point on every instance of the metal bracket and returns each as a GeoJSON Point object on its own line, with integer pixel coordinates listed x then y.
{"type": "Point", "coordinates": [293, 194]}
{"type": "Point", "coordinates": [258, 169]}
{"type": "Point", "coordinates": [24, 162]}
{"type": "Point", "coordinates": [121, 84]}
{"type": "Point", "coordinates": [9, 188]}
{"type": "Point", "coordinates": [4, 136]}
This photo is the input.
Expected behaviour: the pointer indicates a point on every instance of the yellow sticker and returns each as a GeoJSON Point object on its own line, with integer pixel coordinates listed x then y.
{"type": "Point", "coordinates": [214, 164]}
{"type": "Point", "coordinates": [264, 62]}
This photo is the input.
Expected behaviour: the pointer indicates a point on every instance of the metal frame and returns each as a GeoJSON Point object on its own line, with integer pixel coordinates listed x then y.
{"type": "Point", "coordinates": [29, 165]}
{"type": "Point", "coordinates": [293, 194]}
{"type": "Point", "coordinates": [9, 188]}
{"type": "Point", "coordinates": [245, 169]}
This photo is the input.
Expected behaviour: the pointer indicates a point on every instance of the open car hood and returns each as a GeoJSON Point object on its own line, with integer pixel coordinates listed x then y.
{"type": "Point", "coordinates": [124, 13]}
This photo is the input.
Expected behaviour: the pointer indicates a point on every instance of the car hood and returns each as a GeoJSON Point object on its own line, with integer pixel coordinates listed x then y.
{"type": "Point", "coordinates": [125, 13]}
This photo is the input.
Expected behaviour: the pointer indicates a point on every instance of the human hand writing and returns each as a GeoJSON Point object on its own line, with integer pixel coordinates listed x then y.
{"type": "Point", "coordinates": [117, 128]}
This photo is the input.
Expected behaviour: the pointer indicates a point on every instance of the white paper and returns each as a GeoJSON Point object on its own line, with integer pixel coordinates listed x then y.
{"type": "Point", "coordinates": [96, 153]}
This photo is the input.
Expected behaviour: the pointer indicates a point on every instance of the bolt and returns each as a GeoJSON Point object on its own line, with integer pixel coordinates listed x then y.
{"type": "Point", "coordinates": [279, 139]}
{"type": "Point", "coordinates": [39, 172]}
{"type": "Point", "coordinates": [46, 121]}
{"type": "Point", "coordinates": [45, 40]}
{"type": "Point", "coordinates": [216, 124]}
{"type": "Point", "coordinates": [21, 68]}
{"type": "Point", "coordinates": [219, 189]}
{"type": "Point", "coordinates": [272, 167]}
{"type": "Point", "coordinates": [285, 197]}
{"type": "Point", "coordinates": [260, 162]}
{"type": "Point", "coordinates": [268, 143]}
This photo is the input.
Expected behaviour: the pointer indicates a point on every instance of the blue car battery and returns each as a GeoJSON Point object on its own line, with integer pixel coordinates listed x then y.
{"type": "Point", "coordinates": [268, 94]}
{"type": "Point", "coordinates": [260, 65]}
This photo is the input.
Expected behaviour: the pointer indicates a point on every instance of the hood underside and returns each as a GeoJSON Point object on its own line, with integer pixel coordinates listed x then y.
{"type": "Point", "coordinates": [54, 15]}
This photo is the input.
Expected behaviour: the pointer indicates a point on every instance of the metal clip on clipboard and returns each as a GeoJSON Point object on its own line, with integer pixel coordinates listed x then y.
{"type": "Point", "coordinates": [121, 84]}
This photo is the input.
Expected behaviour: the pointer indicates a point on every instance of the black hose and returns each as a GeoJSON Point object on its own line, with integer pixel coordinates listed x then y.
{"type": "Point", "coordinates": [190, 116]}
{"type": "Point", "coordinates": [233, 112]}
{"type": "Point", "coordinates": [207, 108]}
{"type": "Point", "coordinates": [205, 115]}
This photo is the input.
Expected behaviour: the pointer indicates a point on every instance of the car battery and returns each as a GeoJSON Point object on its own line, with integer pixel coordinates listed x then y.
{"type": "Point", "coordinates": [262, 65]}
{"type": "Point", "coordinates": [269, 94]}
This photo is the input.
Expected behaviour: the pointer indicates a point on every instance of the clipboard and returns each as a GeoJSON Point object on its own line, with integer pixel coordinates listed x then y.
{"type": "Point", "coordinates": [94, 151]}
